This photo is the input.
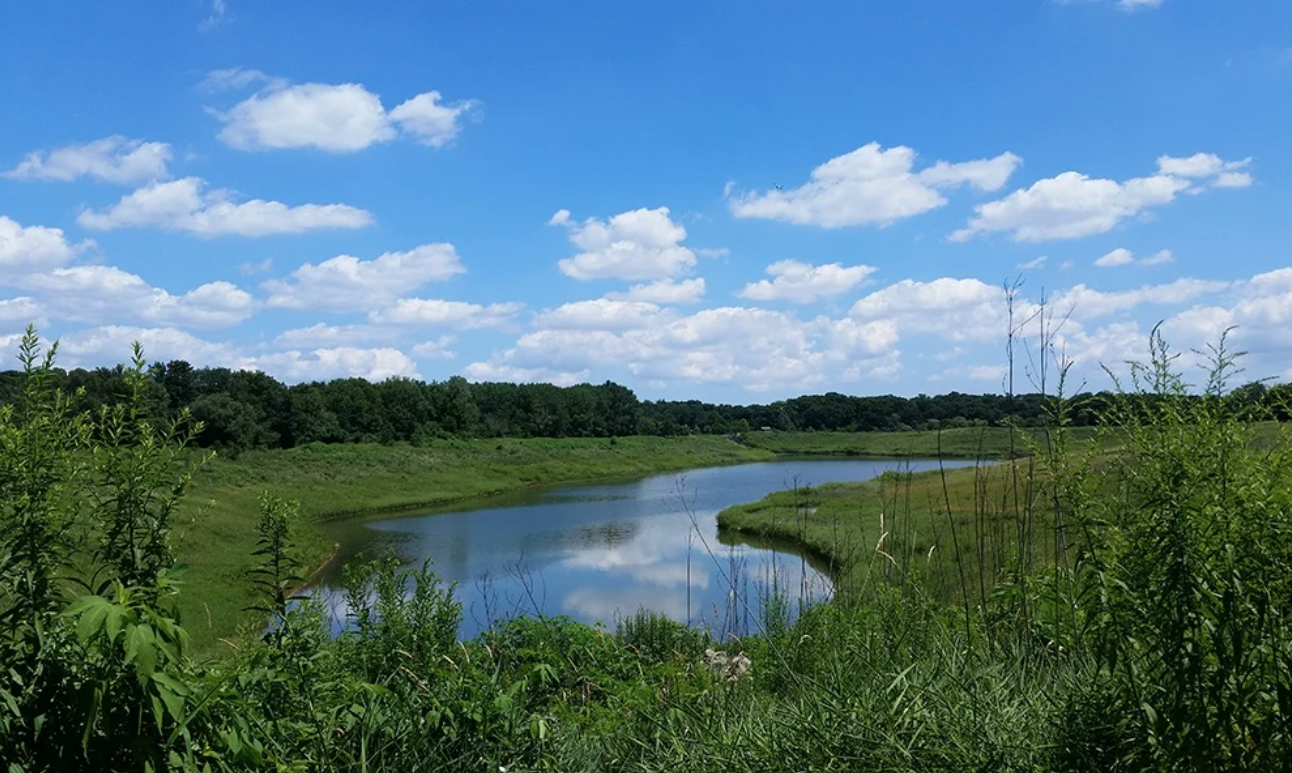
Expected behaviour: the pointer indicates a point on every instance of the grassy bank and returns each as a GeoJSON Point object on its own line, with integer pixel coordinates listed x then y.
{"type": "Point", "coordinates": [339, 480]}
{"type": "Point", "coordinates": [952, 533]}
{"type": "Point", "coordinates": [963, 443]}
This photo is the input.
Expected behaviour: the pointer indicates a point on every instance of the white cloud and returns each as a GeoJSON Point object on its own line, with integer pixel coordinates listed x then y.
{"type": "Point", "coordinates": [988, 372]}
{"type": "Point", "coordinates": [23, 310]}
{"type": "Point", "coordinates": [800, 282]}
{"type": "Point", "coordinates": [262, 267]}
{"type": "Point", "coordinates": [346, 283]}
{"type": "Point", "coordinates": [1118, 257]}
{"type": "Point", "coordinates": [954, 309]}
{"type": "Point", "coordinates": [987, 174]}
{"type": "Point", "coordinates": [1034, 263]}
{"type": "Point", "coordinates": [1087, 303]}
{"type": "Point", "coordinates": [642, 244]}
{"type": "Point", "coordinates": [458, 314]}
{"type": "Point", "coordinates": [110, 344]}
{"type": "Point", "coordinates": [872, 186]}
{"type": "Point", "coordinates": [336, 118]}
{"type": "Point", "coordinates": [1070, 206]}
{"type": "Point", "coordinates": [1128, 5]}
{"type": "Point", "coordinates": [433, 123]}
{"type": "Point", "coordinates": [759, 349]}
{"type": "Point", "coordinates": [114, 159]}
{"type": "Point", "coordinates": [436, 349]}
{"type": "Point", "coordinates": [339, 362]}
{"type": "Point", "coordinates": [181, 205]}
{"type": "Point", "coordinates": [1260, 311]}
{"type": "Point", "coordinates": [1233, 180]}
{"type": "Point", "coordinates": [32, 247]}
{"type": "Point", "coordinates": [490, 371]}
{"type": "Point", "coordinates": [1158, 258]}
{"type": "Point", "coordinates": [238, 78]}
{"type": "Point", "coordinates": [104, 294]}
{"type": "Point", "coordinates": [663, 291]}
{"type": "Point", "coordinates": [1199, 165]}
{"type": "Point", "coordinates": [219, 9]}
{"type": "Point", "coordinates": [603, 314]}
{"type": "Point", "coordinates": [323, 335]}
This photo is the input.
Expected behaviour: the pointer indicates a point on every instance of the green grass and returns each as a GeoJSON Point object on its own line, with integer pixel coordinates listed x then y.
{"type": "Point", "coordinates": [966, 443]}
{"type": "Point", "coordinates": [332, 481]}
{"type": "Point", "coordinates": [896, 524]}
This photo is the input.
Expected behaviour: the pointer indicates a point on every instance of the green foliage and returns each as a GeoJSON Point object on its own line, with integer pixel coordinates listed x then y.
{"type": "Point", "coordinates": [1192, 563]}
{"type": "Point", "coordinates": [90, 680]}
{"type": "Point", "coordinates": [1113, 608]}
{"type": "Point", "coordinates": [278, 572]}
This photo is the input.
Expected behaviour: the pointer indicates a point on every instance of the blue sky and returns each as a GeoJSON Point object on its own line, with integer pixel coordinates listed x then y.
{"type": "Point", "coordinates": [706, 200]}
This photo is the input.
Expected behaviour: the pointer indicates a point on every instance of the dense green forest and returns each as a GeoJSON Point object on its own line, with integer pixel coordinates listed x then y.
{"type": "Point", "coordinates": [241, 410]}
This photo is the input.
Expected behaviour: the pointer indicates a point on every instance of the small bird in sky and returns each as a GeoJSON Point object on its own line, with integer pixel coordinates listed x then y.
{"type": "Point", "coordinates": [778, 187]}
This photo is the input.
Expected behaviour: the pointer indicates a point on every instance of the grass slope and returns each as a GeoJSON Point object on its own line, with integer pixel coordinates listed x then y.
{"type": "Point", "coordinates": [966, 443]}
{"type": "Point", "coordinates": [953, 532]}
{"type": "Point", "coordinates": [338, 480]}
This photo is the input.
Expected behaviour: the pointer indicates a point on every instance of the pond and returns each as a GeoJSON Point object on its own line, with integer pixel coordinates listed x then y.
{"type": "Point", "coordinates": [599, 552]}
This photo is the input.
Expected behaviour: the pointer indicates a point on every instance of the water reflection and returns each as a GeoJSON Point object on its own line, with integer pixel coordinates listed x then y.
{"type": "Point", "coordinates": [599, 552]}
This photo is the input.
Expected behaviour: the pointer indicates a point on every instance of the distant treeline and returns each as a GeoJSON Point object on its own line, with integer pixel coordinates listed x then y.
{"type": "Point", "coordinates": [248, 409]}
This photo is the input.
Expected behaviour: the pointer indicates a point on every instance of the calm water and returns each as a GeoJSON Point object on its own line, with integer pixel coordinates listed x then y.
{"type": "Point", "coordinates": [598, 552]}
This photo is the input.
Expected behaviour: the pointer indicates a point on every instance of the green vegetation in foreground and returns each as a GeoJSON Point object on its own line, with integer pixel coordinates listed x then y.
{"type": "Point", "coordinates": [337, 480]}
{"type": "Point", "coordinates": [959, 443]}
{"type": "Point", "coordinates": [1160, 641]}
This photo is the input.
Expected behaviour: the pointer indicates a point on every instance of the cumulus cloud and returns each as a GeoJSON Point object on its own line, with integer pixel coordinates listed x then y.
{"type": "Point", "coordinates": [954, 309]}
{"type": "Point", "coordinates": [1086, 302]}
{"type": "Point", "coordinates": [759, 349]}
{"type": "Point", "coordinates": [1260, 311]}
{"type": "Point", "coordinates": [642, 244]}
{"type": "Point", "coordinates": [872, 186]}
{"type": "Point", "coordinates": [494, 371]}
{"type": "Point", "coordinates": [1072, 205]}
{"type": "Point", "coordinates": [336, 118]}
{"type": "Point", "coordinates": [988, 372]}
{"type": "Point", "coordinates": [347, 283]}
{"type": "Point", "coordinates": [111, 344]}
{"type": "Point", "coordinates": [1124, 257]}
{"type": "Point", "coordinates": [105, 294]}
{"type": "Point", "coordinates": [436, 349]}
{"type": "Point", "coordinates": [603, 314]}
{"type": "Point", "coordinates": [1204, 165]}
{"type": "Point", "coordinates": [114, 159]}
{"type": "Point", "coordinates": [664, 291]}
{"type": "Point", "coordinates": [183, 205]}
{"type": "Point", "coordinates": [31, 247]}
{"type": "Point", "coordinates": [323, 335]}
{"type": "Point", "coordinates": [800, 282]}
{"type": "Point", "coordinates": [458, 314]}
{"type": "Point", "coordinates": [338, 362]}
{"type": "Point", "coordinates": [21, 310]}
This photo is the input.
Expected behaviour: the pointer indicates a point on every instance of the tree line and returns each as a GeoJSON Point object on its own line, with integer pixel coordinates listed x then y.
{"type": "Point", "coordinates": [241, 409]}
